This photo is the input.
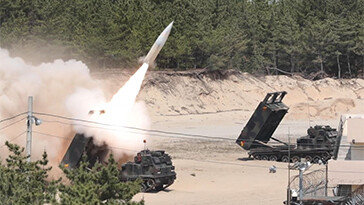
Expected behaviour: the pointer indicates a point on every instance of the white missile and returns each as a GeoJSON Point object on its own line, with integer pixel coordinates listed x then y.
{"type": "Point", "coordinates": [135, 81]}
{"type": "Point", "coordinates": [158, 45]}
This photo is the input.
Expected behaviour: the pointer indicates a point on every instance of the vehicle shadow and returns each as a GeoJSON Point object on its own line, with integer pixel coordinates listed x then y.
{"type": "Point", "coordinates": [164, 190]}
{"type": "Point", "coordinates": [245, 159]}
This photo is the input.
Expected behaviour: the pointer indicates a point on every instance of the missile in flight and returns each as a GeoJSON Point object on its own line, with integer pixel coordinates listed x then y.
{"type": "Point", "coordinates": [148, 60]}
{"type": "Point", "coordinates": [158, 45]}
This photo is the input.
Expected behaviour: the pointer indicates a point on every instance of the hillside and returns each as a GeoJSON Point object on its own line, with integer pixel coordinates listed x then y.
{"type": "Point", "coordinates": [173, 93]}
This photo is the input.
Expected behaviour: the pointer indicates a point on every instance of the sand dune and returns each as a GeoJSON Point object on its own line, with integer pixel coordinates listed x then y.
{"type": "Point", "coordinates": [201, 91]}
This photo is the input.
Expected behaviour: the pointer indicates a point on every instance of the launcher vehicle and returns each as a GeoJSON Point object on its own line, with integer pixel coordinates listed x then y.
{"type": "Point", "coordinates": [317, 145]}
{"type": "Point", "coordinates": [153, 167]}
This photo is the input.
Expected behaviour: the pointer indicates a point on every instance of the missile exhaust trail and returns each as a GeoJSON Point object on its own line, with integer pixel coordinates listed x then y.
{"type": "Point", "coordinates": [124, 99]}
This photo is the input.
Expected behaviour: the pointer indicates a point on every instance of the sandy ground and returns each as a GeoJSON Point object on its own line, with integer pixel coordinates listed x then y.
{"type": "Point", "coordinates": [218, 104]}
{"type": "Point", "coordinates": [210, 103]}
{"type": "Point", "coordinates": [217, 171]}
{"type": "Point", "coordinates": [202, 182]}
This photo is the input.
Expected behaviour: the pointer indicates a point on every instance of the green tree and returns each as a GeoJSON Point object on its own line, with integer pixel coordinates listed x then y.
{"type": "Point", "coordinates": [320, 42]}
{"type": "Point", "coordinates": [288, 35]}
{"type": "Point", "coordinates": [22, 182]}
{"type": "Point", "coordinates": [250, 35]}
{"type": "Point", "coordinates": [226, 44]}
{"type": "Point", "coordinates": [97, 185]}
{"type": "Point", "coordinates": [258, 12]}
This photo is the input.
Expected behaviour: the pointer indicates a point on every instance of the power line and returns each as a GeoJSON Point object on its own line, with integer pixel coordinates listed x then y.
{"type": "Point", "coordinates": [265, 167]}
{"type": "Point", "coordinates": [178, 137]}
{"type": "Point", "coordinates": [134, 128]}
{"type": "Point", "coordinates": [209, 161]}
{"type": "Point", "coordinates": [50, 135]}
{"type": "Point", "coordinates": [232, 163]}
{"type": "Point", "coordinates": [15, 116]}
{"type": "Point", "coordinates": [143, 129]}
{"type": "Point", "coordinates": [13, 123]}
{"type": "Point", "coordinates": [69, 138]}
{"type": "Point", "coordinates": [16, 137]}
{"type": "Point", "coordinates": [120, 148]}
{"type": "Point", "coordinates": [134, 132]}
{"type": "Point", "coordinates": [110, 129]}
{"type": "Point", "coordinates": [182, 135]}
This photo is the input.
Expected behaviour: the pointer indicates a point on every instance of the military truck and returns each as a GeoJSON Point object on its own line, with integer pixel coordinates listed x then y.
{"type": "Point", "coordinates": [317, 145]}
{"type": "Point", "coordinates": [153, 167]}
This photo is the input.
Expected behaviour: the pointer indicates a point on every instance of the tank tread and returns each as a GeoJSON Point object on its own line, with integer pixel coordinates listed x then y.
{"type": "Point", "coordinates": [149, 184]}
{"type": "Point", "coordinates": [295, 156]}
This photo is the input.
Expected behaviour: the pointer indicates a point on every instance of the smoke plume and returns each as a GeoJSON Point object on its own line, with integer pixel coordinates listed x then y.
{"type": "Point", "coordinates": [66, 88]}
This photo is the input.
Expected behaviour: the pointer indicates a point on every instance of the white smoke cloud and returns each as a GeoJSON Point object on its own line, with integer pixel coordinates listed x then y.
{"type": "Point", "coordinates": [121, 110]}
{"type": "Point", "coordinates": [66, 88]}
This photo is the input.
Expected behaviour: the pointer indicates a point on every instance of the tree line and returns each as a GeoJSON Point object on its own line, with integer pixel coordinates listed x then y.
{"type": "Point", "coordinates": [257, 36]}
{"type": "Point", "coordinates": [23, 182]}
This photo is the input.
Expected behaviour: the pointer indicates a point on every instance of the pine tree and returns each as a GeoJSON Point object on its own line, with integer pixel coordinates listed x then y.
{"type": "Point", "coordinates": [226, 44]}
{"type": "Point", "coordinates": [288, 36]}
{"type": "Point", "coordinates": [255, 35]}
{"type": "Point", "coordinates": [22, 182]}
{"type": "Point", "coordinates": [97, 185]}
{"type": "Point", "coordinates": [258, 12]}
{"type": "Point", "coordinates": [320, 42]}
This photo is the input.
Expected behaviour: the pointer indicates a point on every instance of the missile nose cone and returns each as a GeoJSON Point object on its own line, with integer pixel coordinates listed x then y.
{"type": "Point", "coordinates": [162, 38]}
{"type": "Point", "coordinates": [169, 27]}
{"type": "Point", "coordinates": [157, 46]}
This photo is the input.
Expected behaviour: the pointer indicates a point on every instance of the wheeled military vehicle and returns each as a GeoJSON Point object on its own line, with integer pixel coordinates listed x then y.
{"type": "Point", "coordinates": [317, 145]}
{"type": "Point", "coordinates": [153, 167]}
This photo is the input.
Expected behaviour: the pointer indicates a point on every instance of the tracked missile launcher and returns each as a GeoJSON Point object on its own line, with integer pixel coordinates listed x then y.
{"type": "Point", "coordinates": [153, 167]}
{"type": "Point", "coordinates": [84, 145]}
{"type": "Point", "coordinates": [317, 145]}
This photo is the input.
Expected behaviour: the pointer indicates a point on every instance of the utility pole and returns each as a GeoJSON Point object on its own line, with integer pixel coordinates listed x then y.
{"type": "Point", "coordinates": [301, 169]}
{"type": "Point", "coordinates": [327, 178]}
{"type": "Point", "coordinates": [29, 127]}
{"type": "Point", "coordinates": [289, 169]}
{"type": "Point", "coordinates": [302, 166]}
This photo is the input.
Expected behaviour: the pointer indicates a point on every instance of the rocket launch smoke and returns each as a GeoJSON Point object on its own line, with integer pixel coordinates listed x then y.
{"type": "Point", "coordinates": [66, 88]}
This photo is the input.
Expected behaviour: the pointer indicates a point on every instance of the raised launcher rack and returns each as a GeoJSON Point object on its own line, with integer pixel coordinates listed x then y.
{"type": "Point", "coordinates": [155, 168]}
{"type": "Point", "coordinates": [317, 145]}
{"type": "Point", "coordinates": [81, 144]}
{"type": "Point", "coordinates": [264, 121]}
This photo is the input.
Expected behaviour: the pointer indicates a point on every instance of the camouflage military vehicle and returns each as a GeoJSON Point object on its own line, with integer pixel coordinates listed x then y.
{"type": "Point", "coordinates": [317, 145]}
{"type": "Point", "coordinates": [153, 167]}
